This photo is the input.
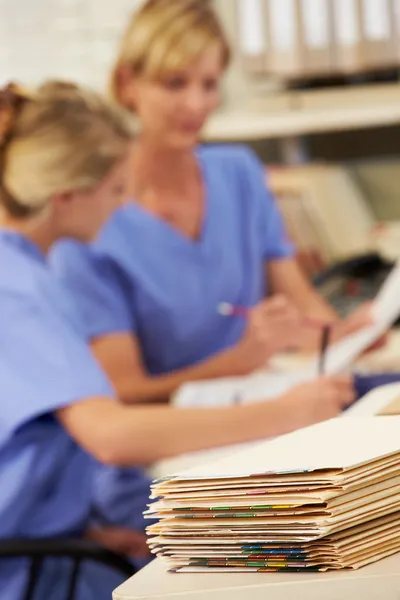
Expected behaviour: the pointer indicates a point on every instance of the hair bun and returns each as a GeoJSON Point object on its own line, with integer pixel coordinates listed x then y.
{"type": "Point", "coordinates": [12, 97]}
{"type": "Point", "coordinates": [58, 88]}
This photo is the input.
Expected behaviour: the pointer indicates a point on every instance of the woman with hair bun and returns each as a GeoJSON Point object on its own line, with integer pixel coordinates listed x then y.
{"type": "Point", "coordinates": [63, 162]}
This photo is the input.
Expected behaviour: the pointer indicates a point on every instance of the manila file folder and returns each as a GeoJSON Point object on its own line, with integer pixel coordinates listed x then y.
{"type": "Point", "coordinates": [392, 409]}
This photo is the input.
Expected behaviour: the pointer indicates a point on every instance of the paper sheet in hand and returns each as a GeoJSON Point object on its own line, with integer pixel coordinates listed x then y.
{"type": "Point", "coordinates": [386, 310]}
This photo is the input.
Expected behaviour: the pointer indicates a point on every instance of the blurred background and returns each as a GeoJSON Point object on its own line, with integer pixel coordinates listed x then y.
{"type": "Point", "coordinates": [314, 88]}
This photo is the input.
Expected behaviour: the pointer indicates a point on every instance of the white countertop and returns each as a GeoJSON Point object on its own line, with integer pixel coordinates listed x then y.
{"type": "Point", "coordinates": [361, 107]}
{"type": "Point", "coordinates": [380, 581]}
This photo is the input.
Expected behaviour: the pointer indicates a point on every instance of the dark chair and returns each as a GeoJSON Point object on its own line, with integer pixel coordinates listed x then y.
{"type": "Point", "coordinates": [77, 550]}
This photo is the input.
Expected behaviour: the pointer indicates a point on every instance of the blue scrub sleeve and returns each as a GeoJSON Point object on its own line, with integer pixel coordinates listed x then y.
{"type": "Point", "coordinates": [121, 495]}
{"type": "Point", "coordinates": [44, 364]}
{"type": "Point", "coordinates": [96, 289]}
{"type": "Point", "coordinates": [274, 239]}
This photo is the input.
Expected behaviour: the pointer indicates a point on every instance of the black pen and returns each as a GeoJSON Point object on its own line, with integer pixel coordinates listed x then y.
{"type": "Point", "coordinates": [325, 338]}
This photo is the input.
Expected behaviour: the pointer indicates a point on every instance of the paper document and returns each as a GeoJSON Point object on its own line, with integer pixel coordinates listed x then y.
{"type": "Point", "coordinates": [375, 402]}
{"type": "Point", "coordinates": [386, 311]}
{"type": "Point", "coordinates": [392, 409]}
{"type": "Point", "coordinates": [237, 390]}
{"type": "Point", "coordinates": [311, 449]}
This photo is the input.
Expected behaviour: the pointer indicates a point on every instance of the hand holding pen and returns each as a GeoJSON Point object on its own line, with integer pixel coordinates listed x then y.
{"type": "Point", "coordinates": [277, 325]}
{"type": "Point", "coordinates": [273, 323]}
{"type": "Point", "coordinates": [270, 327]}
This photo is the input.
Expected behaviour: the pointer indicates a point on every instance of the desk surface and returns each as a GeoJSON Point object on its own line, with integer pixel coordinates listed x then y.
{"type": "Point", "coordinates": [380, 581]}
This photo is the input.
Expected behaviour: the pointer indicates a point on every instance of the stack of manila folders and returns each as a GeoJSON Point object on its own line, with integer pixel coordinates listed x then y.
{"type": "Point", "coordinates": [323, 498]}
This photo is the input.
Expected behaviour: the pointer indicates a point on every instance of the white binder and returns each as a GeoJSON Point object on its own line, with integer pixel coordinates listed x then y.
{"type": "Point", "coordinates": [348, 35]}
{"type": "Point", "coordinates": [379, 34]}
{"type": "Point", "coordinates": [252, 32]}
{"type": "Point", "coordinates": [317, 35]}
{"type": "Point", "coordinates": [286, 51]}
{"type": "Point", "coordinates": [302, 38]}
{"type": "Point", "coordinates": [396, 21]}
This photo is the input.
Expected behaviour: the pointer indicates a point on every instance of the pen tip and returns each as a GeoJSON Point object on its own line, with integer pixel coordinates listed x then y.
{"type": "Point", "coordinates": [224, 309]}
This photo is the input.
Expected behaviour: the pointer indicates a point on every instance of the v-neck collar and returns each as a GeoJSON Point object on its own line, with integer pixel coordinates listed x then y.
{"type": "Point", "coordinates": [173, 232]}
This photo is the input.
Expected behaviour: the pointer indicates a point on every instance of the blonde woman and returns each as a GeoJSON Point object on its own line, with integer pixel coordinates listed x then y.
{"type": "Point", "coordinates": [63, 156]}
{"type": "Point", "coordinates": [201, 229]}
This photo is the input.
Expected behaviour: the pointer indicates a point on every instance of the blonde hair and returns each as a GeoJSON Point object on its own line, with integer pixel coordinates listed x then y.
{"type": "Point", "coordinates": [167, 35]}
{"type": "Point", "coordinates": [60, 138]}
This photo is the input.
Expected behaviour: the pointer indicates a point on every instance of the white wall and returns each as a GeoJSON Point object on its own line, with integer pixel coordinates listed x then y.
{"type": "Point", "coordinates": [70, 39]}
{"type": "Point", "coordinates": [76, 39]}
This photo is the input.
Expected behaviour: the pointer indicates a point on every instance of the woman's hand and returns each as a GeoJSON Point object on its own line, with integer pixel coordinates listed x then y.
{"type": "Point", "coordinates": [360, 318]}
{"type": "Point", "coordinates": [121, 540]}
{"type": "Point", "coordinates": [310, 335]}
{"type": "Point", "coordinates": [319, 400]}
{"type": "Point", "coordinates": [272, 326]}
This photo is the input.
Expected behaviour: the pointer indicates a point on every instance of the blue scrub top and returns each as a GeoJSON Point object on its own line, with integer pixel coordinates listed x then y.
{"type": "Point", "coordinates": [143, 276]}
{"type": "Point", "coordinates": [46, 480]}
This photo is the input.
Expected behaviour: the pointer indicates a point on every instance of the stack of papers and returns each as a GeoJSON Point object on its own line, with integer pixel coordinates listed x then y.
{"type": "Point", "coordinates": [323, 498]}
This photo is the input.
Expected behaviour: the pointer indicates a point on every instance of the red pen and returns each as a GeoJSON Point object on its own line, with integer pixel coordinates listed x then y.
{"type": "Point", "coordinates": [229, 310]}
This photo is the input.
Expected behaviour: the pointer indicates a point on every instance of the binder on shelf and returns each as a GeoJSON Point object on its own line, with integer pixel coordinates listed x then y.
{"type": "Point", "coordinates": [317, 34]}
{"type": "Point", "coordinates": [348, 35]}
{"type": "Point", "coordinates": [252, 30]}
{"type": "Point", "coordinates": [395, 7]}
{"type": "Point", "coordinates": [294, 39]}
{"type": "Point", "coordinates": [286, 55]}
{"type": "Point", "coordinates": [301, 228]}
{"type": "Point", "coordinates": [379, 33]}
{"type": "Point", "coordinates": [332, 207]}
